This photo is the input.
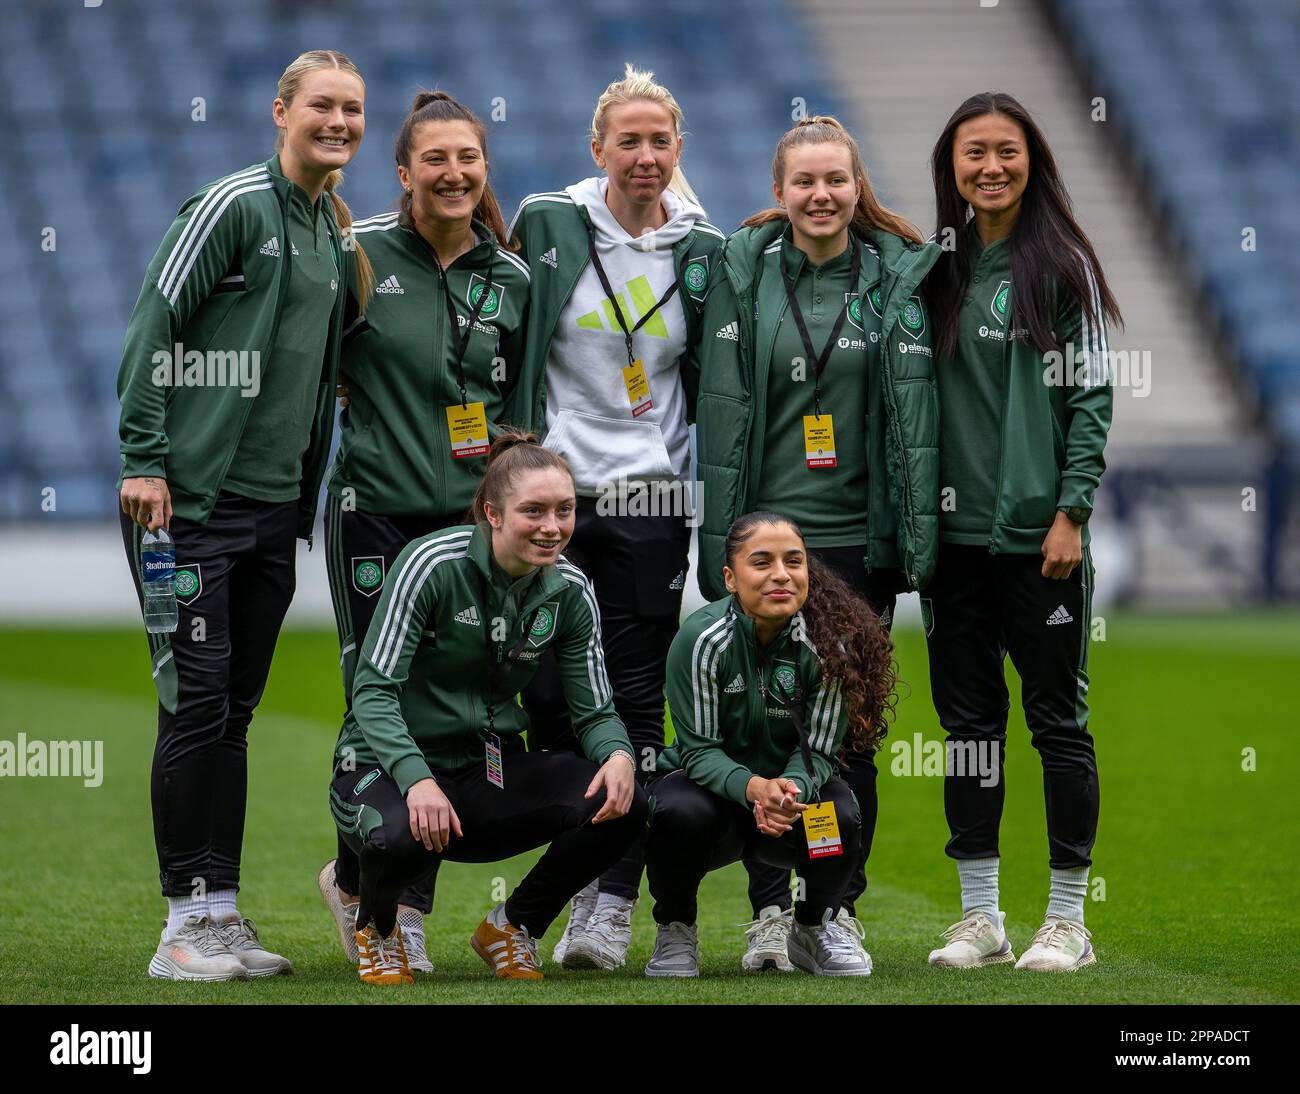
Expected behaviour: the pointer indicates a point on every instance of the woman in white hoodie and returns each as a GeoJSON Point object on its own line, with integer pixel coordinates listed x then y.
{"type": "Point", "coordinates": [620, 265]}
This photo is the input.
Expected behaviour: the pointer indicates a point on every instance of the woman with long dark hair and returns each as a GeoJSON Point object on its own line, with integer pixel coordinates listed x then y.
{"type": "Point", "coordinates": [1020, 306]}
{"type": "Point", "coordinates": [768, 687]}
{"type": "Point", "coordinates": [427, 370]}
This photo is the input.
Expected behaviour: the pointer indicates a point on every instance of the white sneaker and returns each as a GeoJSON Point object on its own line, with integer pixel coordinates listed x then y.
{"type": "Point", "coordinates": [411, 922]}
{"type": "Point", "coordinates": [604, 941]}
{"type": "Point", "coordinates": [832, 949]}
{"type": "Point", "coordinates": [973, 942]}
{"type": "Point", "coordinates": [584, 903]}
{"type": "Point", "coordinates": [768, 937]}
{"type": "Point", "coordinates": [194, 951]}
{"type": "Point", "coordinates": [677, 951]}
{"type": "Point", "coordinates": [240, 936]}
{"type": "Point", "coordinates": [345, 915]}
{"type": "Point", "coordinates": [1061, 945]}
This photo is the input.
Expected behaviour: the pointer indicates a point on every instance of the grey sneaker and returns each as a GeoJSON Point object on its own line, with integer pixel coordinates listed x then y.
{"type": "Point", "coordinates": [1061, 945]}
{"type": "Point", "coordinates": [974, 941]}
{"type": "Point", "coordinates": [584, 903]}
{"type": "Point", "coordinates": [768, 937]}
{"type": "Point", "coordinates": [195, 952]}
{"type": "Point", "coordinates": [832, 949]}
{"type": "Point", "coordinates": [677, 951]}
{"type": "Point", "coordinates": [411, 921]}
{"type": "Point", "coordinates": [240, 936]}
{"type": "Point", "coordinates": [345, 915]}
{"type": "Point", "coordinates": [604, 941]}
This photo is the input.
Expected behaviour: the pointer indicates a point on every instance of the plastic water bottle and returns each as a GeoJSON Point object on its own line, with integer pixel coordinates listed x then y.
{"type": "Point", "coordinates": [158, 579]}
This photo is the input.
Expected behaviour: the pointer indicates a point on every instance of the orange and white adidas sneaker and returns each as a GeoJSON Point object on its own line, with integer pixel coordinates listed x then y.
{"type": "Point", "coordinates": [510, 951]}
{"type": "Point", "coordinates": [382, 960]}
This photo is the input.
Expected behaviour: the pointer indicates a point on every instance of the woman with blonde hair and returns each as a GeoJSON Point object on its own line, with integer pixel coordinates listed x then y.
{"type": "Point", "coordinates": [817, 401]}
{"type": "Point", "coordinates": [254, 269]}
{"type": "Point", "coordinates": [621, 264]}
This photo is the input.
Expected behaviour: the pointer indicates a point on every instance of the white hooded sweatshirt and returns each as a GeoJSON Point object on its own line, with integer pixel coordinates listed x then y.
{"type": "Point", "coordinates": [588, 415]}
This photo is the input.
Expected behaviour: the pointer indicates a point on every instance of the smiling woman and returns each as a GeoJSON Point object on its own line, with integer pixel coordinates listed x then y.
{"type": "Point", "coordinates": [818, 348]}
{"type": "Point", "coordinates": [621, 264]}
{"type": "Point", "coordinates": [429, 365]}
{"type": "Point", "coordinates": [769, 686]}
{"type": "Point", "coordinates": [257, 265]}
{"type": "Point", "coordinates": [431, 765]}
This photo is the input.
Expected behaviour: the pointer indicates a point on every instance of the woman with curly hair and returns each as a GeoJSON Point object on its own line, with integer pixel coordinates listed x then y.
{"type": "Point", "coordinates": [767, 688]}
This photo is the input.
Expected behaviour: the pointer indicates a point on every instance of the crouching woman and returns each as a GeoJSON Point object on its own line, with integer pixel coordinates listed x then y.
{"type": "Point", "coordinates": [431, 763]}
{"type": "Point", "coordinates": [766, 688]}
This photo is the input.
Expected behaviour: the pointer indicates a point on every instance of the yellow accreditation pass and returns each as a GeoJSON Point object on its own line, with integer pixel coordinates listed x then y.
{"type": "Point", "coordinates": [638, 388]}
{"type": "Point", "coordinates": [818, 441]}
{"type": "Point", "coordinates": [467, 430]}
{"type": "Point", "coordinates": [822, 830]}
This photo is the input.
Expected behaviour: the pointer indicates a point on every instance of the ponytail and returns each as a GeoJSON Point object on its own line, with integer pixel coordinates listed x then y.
{"type": "Point", "coordinates": [438, 106]}
{"type": "Point", "coordinates": [513, 452]}
{"type": "Point", "coordinates": [869, 214]}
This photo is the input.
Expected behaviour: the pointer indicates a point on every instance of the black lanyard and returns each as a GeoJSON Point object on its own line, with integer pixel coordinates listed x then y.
{"type": "Point", "coordinates": [793, 706]}
{"type": "Point", "coordinates": [819, 360]}
{"type": "Point", "coordinates": [463, 343]}
{"type": "Point", "coordinates": [613, 300]}
{"type": "Point", "coordinates": [497, 656]}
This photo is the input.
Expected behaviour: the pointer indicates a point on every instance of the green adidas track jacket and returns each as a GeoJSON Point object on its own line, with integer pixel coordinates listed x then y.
{"type": "Point", "coordinates": [902, 502]}
{"type": "Point", "coordinates": [727, 729]}
{"type": "Point", "coordinates": [399, 366]}
{"type": "Point", "coordinates": [553, 233]}
{"type": "Point", "coordinates": [419, 697]}
{"type": "Point", "coordinates": [213, 291]}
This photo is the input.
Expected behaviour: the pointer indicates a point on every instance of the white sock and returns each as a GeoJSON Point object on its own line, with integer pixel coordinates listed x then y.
{"type": "Point", "coordinates": [979, 886]}
{"type": "Point", "coordinates": [178, 907]}
{"type": "Point", "coordinates": [612, 900]}
{"type": "Point", "coordinates": [497, 917]}
{"type": "Point", "coordinates": [1068, 890]}
{"type": "Point", "coordinates": [221, 905]}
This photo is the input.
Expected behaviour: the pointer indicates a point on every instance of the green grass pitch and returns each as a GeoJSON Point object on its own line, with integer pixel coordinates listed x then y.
{"type": "Point", "coordinates": [1195, 853]}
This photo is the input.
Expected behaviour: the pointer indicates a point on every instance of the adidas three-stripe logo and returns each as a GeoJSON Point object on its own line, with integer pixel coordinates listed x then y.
{"type": "Point", "coordinates": [550, 259]}
{"type": "Point", "coordinates": [1059, 616]}
{"type": "Point", "coordinates": [202, 220]}
{"type": "Point", "coordinates": [731, 332]}
{"type": "Point", "coordinates": [271, 248]}
{"type": "Point", "coordinates": [390, 285]}
{"type": "Point", "coordinates": [737, 685]}
{"type": "Point", "coordinates": [469, 615]}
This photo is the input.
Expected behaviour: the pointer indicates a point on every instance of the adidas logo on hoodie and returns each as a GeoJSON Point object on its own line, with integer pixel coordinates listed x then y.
{"type": "Point", "coordinates": [731, 332]}
{"type": "Point", "coordinates": [550, 259]}
{"type": "Point", "coordinates": [271, 248]}
{"type": "Point", "coordinates": [736, 686]}
{"type": "Point", "coordinates": [679, 582]}
{"type": "Point", "coordinates": [1059, 616]}
{"type": "Point", "coordinates": [469, 615]}
{"type": "Point", "coordinates": [390, 285]}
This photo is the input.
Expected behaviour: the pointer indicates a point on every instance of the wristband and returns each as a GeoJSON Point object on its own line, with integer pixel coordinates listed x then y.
{"type": "Point", "coordinates": [624, 753]}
